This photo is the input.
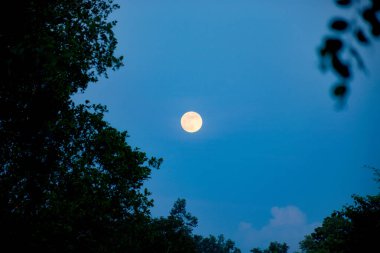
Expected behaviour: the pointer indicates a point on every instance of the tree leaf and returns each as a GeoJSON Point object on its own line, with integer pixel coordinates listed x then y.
{"type": "Point", "coordinates": [361, 37]}
{"type": "Point", "coordinates": [370, 15]}
{"type": "Point", "coordinates": [332, 46]}
{"type": "Point", "coordinates": [340, 90]}
{"type": "Point", "coordinates": [341, 68]}
{"type": "Point", "coordinates": [343, 3]}
{"type": "Point", "coordinates": [376, 30]}
{"type": "Point", "coordinates": [339, 24]}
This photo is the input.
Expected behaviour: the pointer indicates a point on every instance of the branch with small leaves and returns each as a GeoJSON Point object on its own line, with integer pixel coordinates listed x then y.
{"type": "Point", "coordinates": [339, 52]}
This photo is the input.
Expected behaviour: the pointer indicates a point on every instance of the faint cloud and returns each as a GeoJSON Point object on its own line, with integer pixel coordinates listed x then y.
{"type": "Point", "coordinates": [289, 215]}
{"type": "Point", "coordinates": [288, 224]}
{"type": "Point", "coordinates": [245, 225]}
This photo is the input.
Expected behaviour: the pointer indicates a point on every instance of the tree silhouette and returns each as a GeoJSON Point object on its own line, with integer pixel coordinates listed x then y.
{"type": "Point", "coordinates": [355, 228]}
{"type": "Point", "coordinates": [69, 182]}
{"type": "Point", "coordinates": [212, 244]}
{"type": "Point", "coordinates": [172, 233]}
{"type": "Point", "coordinates": [274, 247]}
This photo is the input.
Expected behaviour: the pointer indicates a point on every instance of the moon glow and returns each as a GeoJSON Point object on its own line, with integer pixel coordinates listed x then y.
{"type": "Point", "coordinates": [191, 122]}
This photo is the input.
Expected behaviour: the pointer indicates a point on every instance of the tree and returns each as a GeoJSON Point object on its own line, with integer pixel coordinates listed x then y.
{"type": "Point", "coordinates": [274, 247]}
{"type": "Point", "coordinates": [90, 201]}
{"type": "Point", "coordinates": [172, 233]}
{"type": "Point", "coordinates": [355, 228]}
{"type": "Point", "coordinates": [339, 52]}
{"type": "Point", "coordinates": [256, 250]}
{"type": "Point", "coordinates": [69, 182]}
{"type": "Point", "coordinates": [214, 244]}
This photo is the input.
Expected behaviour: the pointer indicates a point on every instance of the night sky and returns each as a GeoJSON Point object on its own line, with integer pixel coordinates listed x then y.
{"type": "Point", "coordinates": [275, 155]}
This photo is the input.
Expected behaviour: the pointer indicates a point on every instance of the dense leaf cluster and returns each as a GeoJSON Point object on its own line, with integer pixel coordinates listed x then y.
{"type": "Point", "coordinates": [68, 180]}
{"type": "Point", "coordinates": [212, 244]}
{"type": "Point", "coordinates": [354, 228]}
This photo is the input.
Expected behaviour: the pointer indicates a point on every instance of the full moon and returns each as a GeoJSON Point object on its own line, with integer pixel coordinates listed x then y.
{"type": "Point", "coordinates": [191, 122]}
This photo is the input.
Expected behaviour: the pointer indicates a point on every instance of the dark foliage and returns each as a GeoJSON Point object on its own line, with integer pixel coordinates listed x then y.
{"type": "Point", "coordinates": [68, 180]}
{"type": "Point", "coordinates": [274, 247]}
{"type": "Point", "coordinates": [172, 233]}
{"type": "Point", "coordinates": [339, 52]}
{"type": "Point", "coordinates": [339, 24]}
{"type": "Point", "coordinates": [214, 244]}
{"type": "Point", "coordinates": [343, 2]}
{"type": "Point", "coordinates": [355, 228]}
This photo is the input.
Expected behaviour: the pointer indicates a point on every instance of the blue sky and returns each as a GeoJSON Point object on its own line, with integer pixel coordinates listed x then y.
{"type": "Point", "coordinates": [274, 156]}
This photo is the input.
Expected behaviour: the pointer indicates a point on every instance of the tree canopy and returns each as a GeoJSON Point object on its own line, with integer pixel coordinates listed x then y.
{"type": "Point", "coordinates": [213, 244]}
{"type": "Point", "coordinates": [354, 228]}
{"type": "Point", "coordinates": [69, 182]}
{"type": "Point", "coordinates": [274, 247]}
